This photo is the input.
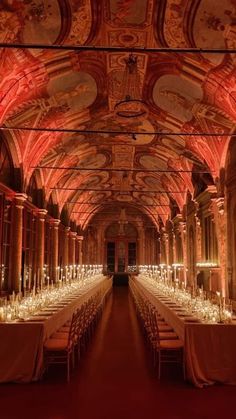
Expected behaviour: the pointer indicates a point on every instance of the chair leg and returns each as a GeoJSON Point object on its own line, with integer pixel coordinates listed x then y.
{"type": "Point", "coordinates": [68, 367]}
{"type": "Point", "coordinates": [79, 352]}
{"type": "Point", "coordinates": [159, 365]}
{"type": "Point", "coordinates": [73, 357]}
{"type": "Point", "coordinates": [184, 366]}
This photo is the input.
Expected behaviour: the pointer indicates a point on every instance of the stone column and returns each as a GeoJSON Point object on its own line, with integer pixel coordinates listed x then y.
{"type": "Point", "coordinates": [182, 227]}
{"type": "Point", "coordinates": [146, 247]}
{"type": "Point", "coordinates": [66, 247]}
{"type": "Point", "coordinates": [163, 238]}
{"type": "Point", "coordinates": [198, 240]}
{"type": "Point", "coordinates": [141, 246]}
{"type": "Point", "coordinates": [54, 267]}
{"type": "Point", "coordinates": [41, 214]}
{"type": "Point", "coordinates": [170, 243]}
{"type": "Point", "coordinates": [80, 240]}
{"type": "Point", "coordinates": [175, 244]}
{"type": "Point", "coordinates": [191, 241]}
{"type": "Point", "coordinates": [158, 250]}
{"type": "Point", "coordinates": [153, 248]}
{"type": "Point", "coordinates": [100, 245]}
{"type": "Point", "coordinates": [16, 243]}
{"type": "Point", "coordinates": [220, 218]}
{"type": "Point", "coordinates": [166, 247]}
{"type": "Point", "coordinates": [149, 246]}
{"type": "Point", "coordinates": [72, 237]}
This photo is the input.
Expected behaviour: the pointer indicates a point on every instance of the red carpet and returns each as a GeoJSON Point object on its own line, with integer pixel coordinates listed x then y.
{"type": "Point", "coordinates": [115, 380]}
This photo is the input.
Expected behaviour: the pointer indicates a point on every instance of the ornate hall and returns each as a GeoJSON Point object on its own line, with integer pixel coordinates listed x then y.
{"type": "Point", "coordinates": [117, 208]}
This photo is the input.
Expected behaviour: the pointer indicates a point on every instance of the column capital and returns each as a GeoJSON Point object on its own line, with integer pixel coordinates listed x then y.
{"type": "Point", "coordinates": [165, 236]}
{"type": "Point", "coordinates": [80, 238]}
{"type": "Point", "coordinates": [41, 213]}
{"type": "Point", "coordinates": [19, 199]}
{"type": "Point", "coordinates": [183, 227]}
{"type": "Point", "coordinates": [55, 222]}
{"type": "Point", "coordinates": [220, 203]}
{"type": "Point", "coordinates": [73, 235]}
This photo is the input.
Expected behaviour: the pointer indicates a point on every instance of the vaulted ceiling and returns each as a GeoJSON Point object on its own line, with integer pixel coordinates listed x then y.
{"type": "Point", "coordinates": [147, 165]}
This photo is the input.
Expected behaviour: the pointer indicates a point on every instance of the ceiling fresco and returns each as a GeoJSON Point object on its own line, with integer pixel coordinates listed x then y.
{"type": "Point", "coordinates": [45, 21]}
{"type": "Point", "coordinates": [173, 23]}
{"type": "Point", "coordinates": [33, 21]}
{"type": "Point", "coordinates": [127, 12]}
{"type": "Point", "coordinates": [74, 91]}
{"type": "Point", "coordinates": [212, 25]}
{"type": "Point", "coordinates": [176, 96]}
{"type": "Point", "coordinates": [142, 157]}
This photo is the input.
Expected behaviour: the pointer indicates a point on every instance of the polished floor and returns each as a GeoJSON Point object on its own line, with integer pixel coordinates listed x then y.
{"type": "Point", "coordinates": [115, 380]}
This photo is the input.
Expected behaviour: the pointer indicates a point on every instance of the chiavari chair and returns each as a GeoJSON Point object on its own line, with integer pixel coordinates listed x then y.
{"type": "Point", "coordinates": [61, 350]}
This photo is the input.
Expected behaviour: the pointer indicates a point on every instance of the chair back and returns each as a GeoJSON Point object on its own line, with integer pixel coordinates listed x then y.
{"type": "Point", "coordinates": [73, 329]}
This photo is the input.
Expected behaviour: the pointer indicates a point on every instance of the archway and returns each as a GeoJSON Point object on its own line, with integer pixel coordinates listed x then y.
{"type": "Point", "coordinates": [230, 176]}
{"type": "Point", "coordinates": [121, 248]}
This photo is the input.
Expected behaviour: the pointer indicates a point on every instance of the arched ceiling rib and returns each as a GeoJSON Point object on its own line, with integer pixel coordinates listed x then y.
{"type": "Point", "coordinates": [187, 93]}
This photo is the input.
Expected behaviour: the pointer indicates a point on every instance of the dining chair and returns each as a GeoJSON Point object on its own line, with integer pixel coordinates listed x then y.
{"type": "Point", "coordinates": [61, 350]}
{"type": "Point", "coordinates": [168, 351]}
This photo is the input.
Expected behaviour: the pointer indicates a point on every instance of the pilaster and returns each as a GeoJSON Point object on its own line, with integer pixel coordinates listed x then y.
{"type": "Point", "coordinates": [16, 243]}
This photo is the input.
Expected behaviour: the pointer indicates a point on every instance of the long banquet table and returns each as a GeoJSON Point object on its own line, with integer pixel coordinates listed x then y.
{"type": "Point", "coordinates": [21, 343]}
{"type": "Point", "coordinates": [209, 349]}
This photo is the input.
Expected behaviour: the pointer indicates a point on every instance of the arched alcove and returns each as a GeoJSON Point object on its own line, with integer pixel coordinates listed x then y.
{"type": "Point", "coordinates": [6, 165]}
{"type": "Point", "coordinates": [52, 208]}
{"type": "Point", "coordinates": [230, 181]}
{"type": "Point", "coordinates": [121, 242]}
{"type": "Point", "coordinates": [36, 192]}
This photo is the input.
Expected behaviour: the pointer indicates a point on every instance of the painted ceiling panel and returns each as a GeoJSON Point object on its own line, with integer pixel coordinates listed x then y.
{"type": "Point", "coordinates": [212, 25]}
{"type": "Point", "coordinates": [74, 91]}
{"type": "Point", "coordinates": [176, 96]}
{"type": "Point", "coordinates": [127, 12]}
{"type": "Point", "coordinates": [33, 21]}
{"type": "Point", "coordinates": [81, 21]}
{"type": "Point", "coordinates": [185, 97]}
{"type": "Point", "coordinates": [174, 33]}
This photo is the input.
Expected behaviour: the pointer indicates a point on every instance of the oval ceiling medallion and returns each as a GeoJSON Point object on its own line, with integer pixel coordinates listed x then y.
{"type": "Point", "coordinates": [176, 96]}
{"type": "Point", "coordinates": [41, 21]}
{"type": "Point", "coordinates": [214, 26]}
{"type": "Point", "coordinates": [76, 90]}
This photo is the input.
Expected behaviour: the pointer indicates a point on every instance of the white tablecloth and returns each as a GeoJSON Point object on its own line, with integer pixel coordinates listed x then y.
{"type": "Point", "coordinates": [21, 343]}
{"type": "Point", "coordinates": [210, 349]}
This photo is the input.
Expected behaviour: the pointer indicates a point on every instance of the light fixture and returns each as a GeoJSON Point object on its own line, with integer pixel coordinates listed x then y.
{"type": "Point", "coordinates": [130, 104]}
